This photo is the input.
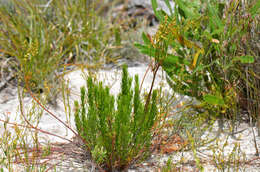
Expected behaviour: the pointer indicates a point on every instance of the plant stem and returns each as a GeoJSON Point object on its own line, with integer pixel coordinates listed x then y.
{"type": "Point", "coordinates": [151, 88]}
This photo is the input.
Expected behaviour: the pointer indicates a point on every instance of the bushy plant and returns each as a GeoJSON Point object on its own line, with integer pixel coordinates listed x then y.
{"type": "Point", "coordinates": [115, 131]}
{"type": "Point", "coordinates": [44, 36]}
{"type": "Point", "coordinates": [207, 50]}
{"type": "Point", "coordinates": [32, 40]}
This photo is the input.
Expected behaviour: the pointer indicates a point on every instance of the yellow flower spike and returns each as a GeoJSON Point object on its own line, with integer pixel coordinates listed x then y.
{"type": "Point", "coordinates": [47, 87]}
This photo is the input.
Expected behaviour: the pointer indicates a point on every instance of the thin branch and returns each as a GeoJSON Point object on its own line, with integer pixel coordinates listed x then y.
{"type": "Point", "coordinates": [256, 149]}
{"type": "Point", "coordinates": [157, 66]}
{"type": "Point", "coordinates": [34, 128]}
{"type": "Point", "coordinates": [150, 65]}
{"type": "Point", "coordinates": [49, 112]}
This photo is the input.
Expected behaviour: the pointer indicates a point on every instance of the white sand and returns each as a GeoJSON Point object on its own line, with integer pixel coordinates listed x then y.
{"type": "Point", "coordinates": [9, 107]}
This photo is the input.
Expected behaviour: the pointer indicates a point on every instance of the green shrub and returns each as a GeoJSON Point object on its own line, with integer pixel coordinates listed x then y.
{"type": "Point", "coordinates": [207, 49]}
{"type": "Point", "coordinates": [116, 135]}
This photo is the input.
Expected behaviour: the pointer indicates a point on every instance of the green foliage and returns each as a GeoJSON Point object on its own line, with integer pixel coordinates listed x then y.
{"type": "Point", "coordinates": [232, 161]}
{"type": "Point", "coordinates": [43, 36]}
{"type": "Point", "coordinates": [169, 166]}
{"type": "Point", "coordinates": [214, 100]}
{"type": "Point", "coordinates": [207, 49]}
{"type": "Point", "coordinates": [116, 135]}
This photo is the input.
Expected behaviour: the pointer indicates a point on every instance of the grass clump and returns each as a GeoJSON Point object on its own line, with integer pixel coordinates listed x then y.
{"type": "Point", "coordinates": [116, 135]}
{"type": "Point", "coordinates": [42, 37]}
{"type": "Point", "coordinates": [35, 42]}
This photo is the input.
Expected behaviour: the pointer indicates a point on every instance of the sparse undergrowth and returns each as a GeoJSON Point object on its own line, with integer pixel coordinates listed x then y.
{"type": "Point", "coordinates": [41, 39]}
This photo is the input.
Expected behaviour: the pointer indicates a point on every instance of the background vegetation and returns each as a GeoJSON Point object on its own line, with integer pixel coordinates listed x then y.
{"type": "Point", "coordinates": [209, 51]}
{"type": "Point", "coordinates": [40, 39]}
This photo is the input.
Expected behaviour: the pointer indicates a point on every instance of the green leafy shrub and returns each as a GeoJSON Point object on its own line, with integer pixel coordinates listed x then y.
{"type": "Point", "coordinates": [207, 49]}
{"type": "Point", "coordinates": [116, 135]}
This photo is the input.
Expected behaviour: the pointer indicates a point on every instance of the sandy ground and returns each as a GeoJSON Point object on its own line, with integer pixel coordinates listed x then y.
{"type": "Point", "coordinates": [9, 108]}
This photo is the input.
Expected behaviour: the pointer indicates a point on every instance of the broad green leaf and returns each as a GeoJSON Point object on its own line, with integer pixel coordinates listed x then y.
{"type": "Point", "coordinates": [140, 46]}
{"type": "Point", "coordinates": [181, 12]}
{"type": "Point", "coordinates": [247, 59]}
{"type": "Point", "coordinates": [170, 60]}
{"type": "Point", "coordinates": [146, 39]}
{"type": "Point", "coordinates": [150, 51]}
{"type": "Point", "coordinates": [186, 10]}
{"type": "Point", "coordinates": [154, 5]}
{"type": "Point", "coordinates": [160, 15]}
{"type": "Point", "coordinates": [213, 100]}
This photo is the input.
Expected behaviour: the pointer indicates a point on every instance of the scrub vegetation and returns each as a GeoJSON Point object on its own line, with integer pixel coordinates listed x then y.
{"type": "Point", "coordinates": [209, 50]}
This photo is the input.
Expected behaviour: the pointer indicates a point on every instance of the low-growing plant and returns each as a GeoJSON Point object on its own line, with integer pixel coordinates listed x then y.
{"type": "Point", "coordinates": [44, 36]}
{"type": "Point", "coordinates": [233, 161]}
{"type": "Point", "coordinates": [168, 167]}
{"type": "Point", "coordinates": [118, 131]}
{"type": "Point", "coordinates": [22, 146]}
{"type": "Point", "coordinates": [36, 43]}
